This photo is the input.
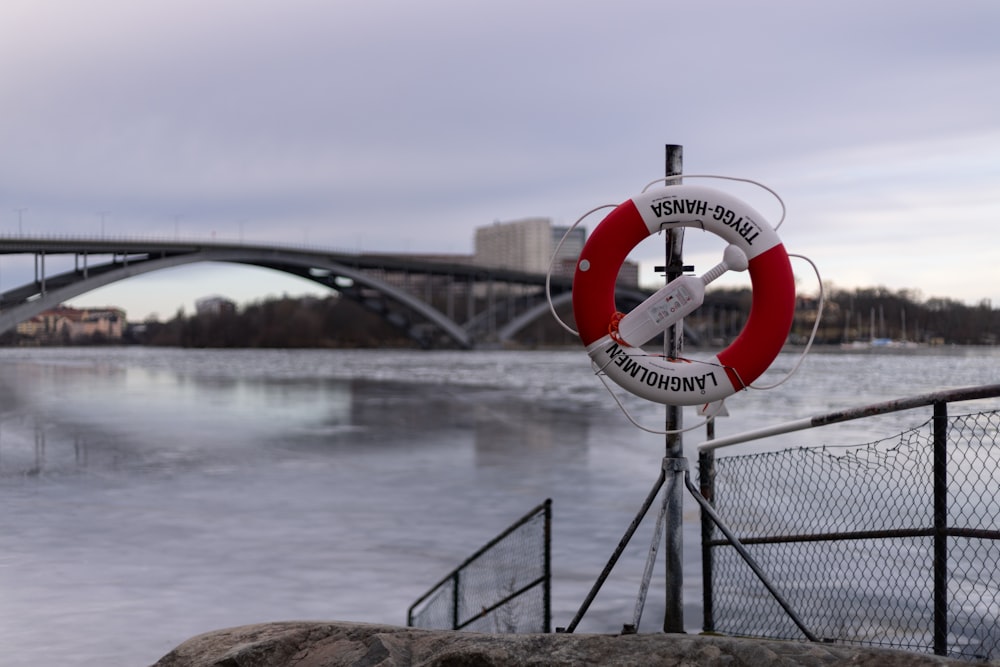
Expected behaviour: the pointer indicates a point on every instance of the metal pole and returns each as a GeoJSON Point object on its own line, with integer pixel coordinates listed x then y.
{"type": "Point", "coordinates": [941, 528]}
{"type": "Point", "coordinates": [548, 567]}
{"type": "Point", "coordinates": [673, 345]}
{"type": "Point", "coordinates": [455, 599]}
{"type": "Point", "coordinates": [647, 573]}
{"type": "Point", "coordinates": [629, 532]}
{"type": "Point", "coordinates": [748, 559]}
{"type": "Point", "coordinates": [706, 477]}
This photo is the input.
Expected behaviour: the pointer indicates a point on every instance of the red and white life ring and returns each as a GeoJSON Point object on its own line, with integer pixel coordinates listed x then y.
{"type": "Point", "coordinates": [684, 381]}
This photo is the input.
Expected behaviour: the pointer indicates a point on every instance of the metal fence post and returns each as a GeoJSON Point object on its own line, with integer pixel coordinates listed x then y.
{"type": "Point", "coordinates": [706, 479]}
{"type": "Point", "coordinates": [547, 567]}
{"type": "Point", "coordinates": [941, 528]}
{"type": "Point", "coordinates": [454, 601]}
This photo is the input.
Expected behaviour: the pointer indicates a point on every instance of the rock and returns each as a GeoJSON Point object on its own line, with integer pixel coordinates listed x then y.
{"type": "Point", "coordinates": [314, 644]}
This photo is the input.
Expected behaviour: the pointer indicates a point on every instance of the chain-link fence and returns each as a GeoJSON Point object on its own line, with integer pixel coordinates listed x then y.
{"type": "Point", "coordinates": [504, 587]}
{"type": "Point", "coordinates": [893, 543]}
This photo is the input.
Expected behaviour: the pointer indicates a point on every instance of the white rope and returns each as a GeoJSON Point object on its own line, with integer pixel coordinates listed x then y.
{"type": "Point", "coordinates": [812, 336]}
{"type": "Point", "coordinates": [621, 406]}
{"type": "Point", "coordinates": [760, 185]}
{"type": "Point", "coordinates": [552, 262]}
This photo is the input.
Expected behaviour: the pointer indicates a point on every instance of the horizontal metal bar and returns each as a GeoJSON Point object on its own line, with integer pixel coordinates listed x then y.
{"type": "Point", "coordinates": [976, 533]}
{"type": "Point", "coordinates": [542, 510]}
{"type": "Point", "coordinates": [863, 535]}
{"type": "Point", "coordinates": [777, 429]}
{"type": "Point", "coordinates": [488, 610]}
{"type": "Point", "coordinates": [947, 396]}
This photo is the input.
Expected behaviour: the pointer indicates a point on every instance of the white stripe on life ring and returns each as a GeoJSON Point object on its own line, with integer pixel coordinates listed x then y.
{"type": "Point", "coordinates": [684, 381]}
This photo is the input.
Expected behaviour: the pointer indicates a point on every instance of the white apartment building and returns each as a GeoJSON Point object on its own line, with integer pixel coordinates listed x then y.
{"type": "Point", "coordinates": [569, 251]}
{"type": "Point", "coordinates": [527, 245]}
{"type": "Point", "coordinates": [521, 245]}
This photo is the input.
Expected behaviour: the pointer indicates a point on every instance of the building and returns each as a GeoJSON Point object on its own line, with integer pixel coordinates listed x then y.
{"type": "Point", "coordinates": [572, 239]}
{"type": "Point", "coordinates": [65, 324]}
{"type": "Point", "coordinates": [629, 274]}
{"type": "Point", "coordinates": [108, 323]}
{"type": "Point", "coordinates": [214, 305]}
{"type": "Point", "coordinates": [522, 245]}
{"type": "Point", "coordinates": [528, 245]}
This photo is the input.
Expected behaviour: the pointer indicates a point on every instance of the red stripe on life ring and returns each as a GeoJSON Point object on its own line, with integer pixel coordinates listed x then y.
{"type": "Point", "coordinates": [598, 267]}
{"type": "Point", "coordinates": [771, 310]}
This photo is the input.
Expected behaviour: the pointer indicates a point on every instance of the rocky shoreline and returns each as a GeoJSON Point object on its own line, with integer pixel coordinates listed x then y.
{"type": "Point", "coordinates": [335, 644]}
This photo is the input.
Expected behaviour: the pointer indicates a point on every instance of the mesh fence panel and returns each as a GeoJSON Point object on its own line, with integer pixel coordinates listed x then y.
{"type": "Point", "coordinates": [437, 610]}
{"type": "Point", "coordinates": [502, 588]}
{"type": "Point", "coordinates": [847, 535]}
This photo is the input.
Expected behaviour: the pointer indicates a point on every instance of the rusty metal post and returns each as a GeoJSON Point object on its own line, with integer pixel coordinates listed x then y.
{"type": "Point", "coordinates": [675, 463]}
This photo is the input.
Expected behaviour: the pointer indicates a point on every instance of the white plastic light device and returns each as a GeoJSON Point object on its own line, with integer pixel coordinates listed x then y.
{"type": "Point", "coordinates": [669, 304]}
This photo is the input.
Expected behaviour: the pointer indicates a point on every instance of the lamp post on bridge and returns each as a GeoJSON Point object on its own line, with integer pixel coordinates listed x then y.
{"type": "Point", "coordinates": [20, 229]}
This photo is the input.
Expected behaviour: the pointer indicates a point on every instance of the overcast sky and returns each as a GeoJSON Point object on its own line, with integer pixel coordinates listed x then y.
{"type": "Point", "coordinates": [402, 126]}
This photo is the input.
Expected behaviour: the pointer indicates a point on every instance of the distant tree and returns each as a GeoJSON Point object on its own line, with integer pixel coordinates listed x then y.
{"type": "Point", "coordinates": [337, 321]}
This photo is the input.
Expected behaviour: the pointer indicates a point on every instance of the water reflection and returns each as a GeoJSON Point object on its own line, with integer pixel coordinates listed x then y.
{"type": "Point", "coordinates": [98, 418]}
{"type": "Point", "coordinates": [513, 431]}
{"type": "Point", "coordinates": [157, 494]}
{"type": "Point", "coordinates": [60, 419]}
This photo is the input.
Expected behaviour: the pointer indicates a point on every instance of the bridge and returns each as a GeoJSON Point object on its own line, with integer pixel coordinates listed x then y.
{"type": "Point", "coordinates": [435, 303]}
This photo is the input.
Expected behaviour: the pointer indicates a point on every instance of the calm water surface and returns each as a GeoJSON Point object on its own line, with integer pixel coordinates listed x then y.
{"type": "Point", "coordinates": [150, 495]}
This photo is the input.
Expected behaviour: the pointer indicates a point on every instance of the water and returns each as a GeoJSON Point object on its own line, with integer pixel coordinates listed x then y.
{"type": "Point", "coordinates": [150, 495]}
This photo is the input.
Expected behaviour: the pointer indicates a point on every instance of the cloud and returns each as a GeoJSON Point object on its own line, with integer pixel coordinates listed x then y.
{"type": "Point", "coordinates": [391, 125]}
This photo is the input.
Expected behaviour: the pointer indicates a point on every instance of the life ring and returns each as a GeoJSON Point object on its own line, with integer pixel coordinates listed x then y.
{"type": "Point", "coordinates": [684, 381]}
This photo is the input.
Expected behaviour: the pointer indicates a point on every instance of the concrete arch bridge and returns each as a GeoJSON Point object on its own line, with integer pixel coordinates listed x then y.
{"type": "Point", "coordinates": [435, 303]}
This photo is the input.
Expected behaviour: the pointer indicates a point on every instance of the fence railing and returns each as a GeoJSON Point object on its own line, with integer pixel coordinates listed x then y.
{"type": "Point", "coordinates": [505, 587]}
{"type": "Point", "coordinates": [892, 543]}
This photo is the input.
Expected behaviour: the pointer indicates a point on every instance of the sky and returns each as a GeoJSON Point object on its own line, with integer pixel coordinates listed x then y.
{"type": "Point", "coordinates": [398, 126]}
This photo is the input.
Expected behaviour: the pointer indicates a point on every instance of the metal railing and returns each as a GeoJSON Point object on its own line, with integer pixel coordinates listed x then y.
{"type": "Point", "coordinates": [892, 543]}
{"type": "Point", "coordinates": [505, 587]}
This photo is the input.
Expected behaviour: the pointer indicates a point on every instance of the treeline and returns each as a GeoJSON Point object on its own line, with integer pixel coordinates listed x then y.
{"type": "Point", "coordinates": [335, 322]}
{"type": "Point", "coordinates": [848, 315]}
{"type": "Point", "coordinates": [862, 314]}
{"type": "Point", "coordinates": [287, 322]}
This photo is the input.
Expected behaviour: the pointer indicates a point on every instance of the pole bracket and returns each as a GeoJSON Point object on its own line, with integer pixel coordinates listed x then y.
{"type": "Point", "coordinates": [675, 465]}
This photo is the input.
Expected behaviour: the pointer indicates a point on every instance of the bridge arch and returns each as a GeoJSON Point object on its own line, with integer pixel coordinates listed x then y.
{"type": "Point", "coordinates": [49, 292]}
{"type": "Point", "coordinates": [498, 303]}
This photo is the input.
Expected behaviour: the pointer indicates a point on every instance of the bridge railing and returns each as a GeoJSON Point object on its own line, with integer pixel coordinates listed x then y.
{"type": "Point", "coordinates": [221, 240]}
